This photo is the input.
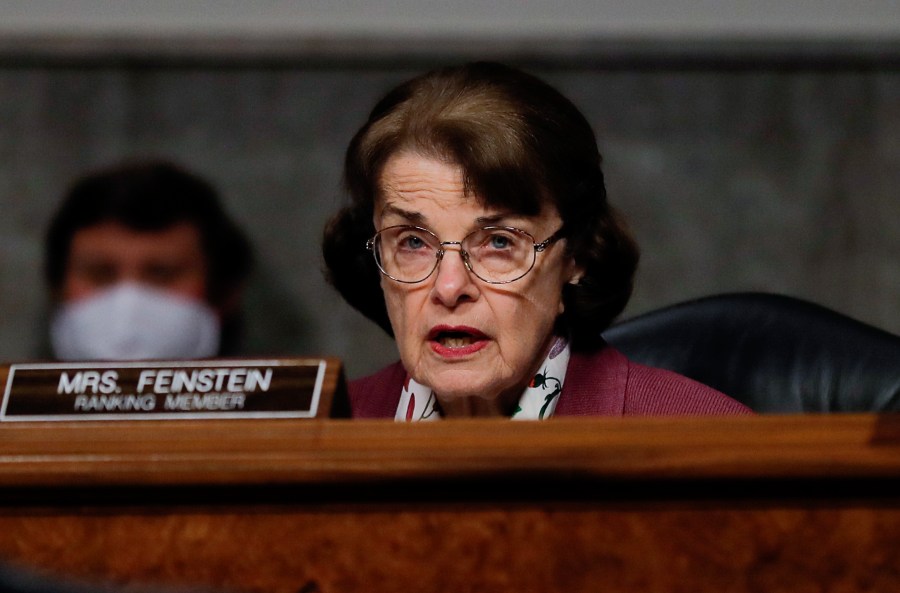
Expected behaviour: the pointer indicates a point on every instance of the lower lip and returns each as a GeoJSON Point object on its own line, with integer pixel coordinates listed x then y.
{"type": "Point", "coordinates": [446, 352]}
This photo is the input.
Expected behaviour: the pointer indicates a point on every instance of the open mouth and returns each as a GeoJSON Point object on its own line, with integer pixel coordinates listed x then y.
{"type": "Point", "coordinates": [456, 337]}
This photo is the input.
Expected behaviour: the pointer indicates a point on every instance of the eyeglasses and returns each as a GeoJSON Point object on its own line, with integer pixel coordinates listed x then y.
{"type": "Point", "coordinates": [495, 254]}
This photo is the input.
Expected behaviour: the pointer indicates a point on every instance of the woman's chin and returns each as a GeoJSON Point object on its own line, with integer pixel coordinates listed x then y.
{"type": "Point", "coordinates": [460, 397]}
{"type": "Point", "coordinates": [450, 393]}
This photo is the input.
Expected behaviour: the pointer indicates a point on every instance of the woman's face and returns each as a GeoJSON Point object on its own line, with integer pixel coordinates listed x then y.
{"type": "Point", "coordinates": [477, 345]}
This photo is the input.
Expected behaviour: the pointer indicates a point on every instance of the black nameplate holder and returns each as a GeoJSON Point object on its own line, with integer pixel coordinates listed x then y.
{"type": "Point", "coordinates": [158, 390]}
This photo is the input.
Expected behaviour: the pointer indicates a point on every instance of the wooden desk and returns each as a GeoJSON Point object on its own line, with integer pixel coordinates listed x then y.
{"type": "Point", "coordinates": [747, 504]}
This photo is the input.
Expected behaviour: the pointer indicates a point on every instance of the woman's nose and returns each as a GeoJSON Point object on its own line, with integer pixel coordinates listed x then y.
{"type": "Point", "coordinates": [454, 284]}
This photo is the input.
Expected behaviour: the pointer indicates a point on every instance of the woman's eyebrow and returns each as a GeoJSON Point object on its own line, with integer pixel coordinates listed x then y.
{"type": "Point", "coordinates": [419, 219]}
{"type": "Point", "coordinates": [492, 219]}
{"type": "Point", "coordinates": [412, 217]}
{"type": "Point", "coordinates": [504, 219]}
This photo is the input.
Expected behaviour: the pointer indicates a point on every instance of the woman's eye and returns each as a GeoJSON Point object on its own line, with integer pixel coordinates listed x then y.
{"type": "Point", "coordinates": [412, 242]}
{"type": "Point", "coordinates": [499, 242]}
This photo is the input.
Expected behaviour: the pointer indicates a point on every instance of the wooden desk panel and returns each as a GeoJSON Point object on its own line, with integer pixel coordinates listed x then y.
{"type": "Point", "coordinates": [749, 504]}
{"type": "Point", "coordinates": [721, 548]}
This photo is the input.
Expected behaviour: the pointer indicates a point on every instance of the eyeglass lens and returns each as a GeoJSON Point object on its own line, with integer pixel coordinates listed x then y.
{"type": "Point", "coordinates": [494, 254]}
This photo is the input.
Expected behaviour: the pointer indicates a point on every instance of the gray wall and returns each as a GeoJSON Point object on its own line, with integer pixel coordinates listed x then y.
{"type": "Point", "coordinates": [741, 166]}
{"type": "Point", "coordinates": [558, 18]}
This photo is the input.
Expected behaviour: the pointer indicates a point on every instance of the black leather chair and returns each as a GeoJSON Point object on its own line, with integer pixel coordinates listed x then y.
{"type": "Point", "coordinates": [776, 354]}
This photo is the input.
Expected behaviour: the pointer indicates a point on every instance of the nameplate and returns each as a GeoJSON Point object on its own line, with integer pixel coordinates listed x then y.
{"type": "Point", "coordinates": [158, 390]}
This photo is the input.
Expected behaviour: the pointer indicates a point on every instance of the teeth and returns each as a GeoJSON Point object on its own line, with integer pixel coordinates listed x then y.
{"type": "Point", "coordinates": [455, 341]}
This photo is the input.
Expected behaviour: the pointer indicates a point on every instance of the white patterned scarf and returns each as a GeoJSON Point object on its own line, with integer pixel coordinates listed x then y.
{"type": "Point", "coordinates": [538, 401]}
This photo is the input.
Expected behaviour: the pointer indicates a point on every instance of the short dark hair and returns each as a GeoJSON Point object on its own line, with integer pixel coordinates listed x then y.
{"type": "Point", "coordinates": [520, 144]}
{"type": "Point", "coordinates": [151, 195]}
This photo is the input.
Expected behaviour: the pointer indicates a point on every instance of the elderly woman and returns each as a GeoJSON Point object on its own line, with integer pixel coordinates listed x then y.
{"type": "Point", "coordinates": [480, 237]}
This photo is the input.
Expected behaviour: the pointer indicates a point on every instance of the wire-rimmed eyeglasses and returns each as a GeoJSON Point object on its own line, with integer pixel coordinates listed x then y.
{"type": "Point", "coordinates": [494, 254]}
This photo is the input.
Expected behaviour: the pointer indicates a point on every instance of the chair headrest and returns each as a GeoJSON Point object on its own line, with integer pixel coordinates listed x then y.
{"type": "Point", "coordinates": [772, 352]}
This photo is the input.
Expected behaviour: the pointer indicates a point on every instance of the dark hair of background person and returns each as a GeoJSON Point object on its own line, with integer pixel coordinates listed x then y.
{"type": "Point", "coordinates": [147, 196]}
{"type": "Point", "coordinates": [521, 144]}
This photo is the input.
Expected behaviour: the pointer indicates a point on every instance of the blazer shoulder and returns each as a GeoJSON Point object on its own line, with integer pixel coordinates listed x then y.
{"type": "Point", "coordinates": [606, 383]}
{"type": "Point", "coordinates": [654, 391]}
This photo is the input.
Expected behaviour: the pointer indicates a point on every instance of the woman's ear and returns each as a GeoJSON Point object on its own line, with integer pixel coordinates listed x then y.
{"type": "Point", "coordinates": [576, 274]}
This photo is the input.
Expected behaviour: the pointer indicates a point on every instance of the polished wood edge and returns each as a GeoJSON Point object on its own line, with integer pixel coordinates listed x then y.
{"type": "Point", "coordinates": [285, 452]}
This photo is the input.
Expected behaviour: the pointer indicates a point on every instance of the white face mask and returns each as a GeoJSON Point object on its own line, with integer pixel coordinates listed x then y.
{"type": "Point", "coordinates": [134, 322]}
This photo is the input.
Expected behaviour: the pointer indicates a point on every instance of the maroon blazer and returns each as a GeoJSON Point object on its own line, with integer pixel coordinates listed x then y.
{"type": "Point", "coordinates": [602, 383]}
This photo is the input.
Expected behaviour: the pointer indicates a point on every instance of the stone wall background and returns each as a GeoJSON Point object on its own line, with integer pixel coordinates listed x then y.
{"type": "Point", "coordinates": [738, 170]}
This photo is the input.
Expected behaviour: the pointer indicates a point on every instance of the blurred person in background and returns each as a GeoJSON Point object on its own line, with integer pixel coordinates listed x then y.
{"type": "Point", "coordinates": [143, 262]}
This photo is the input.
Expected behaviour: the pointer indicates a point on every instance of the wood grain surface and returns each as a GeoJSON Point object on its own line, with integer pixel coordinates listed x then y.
{"type": "Point", "coordinates": [768, 503]}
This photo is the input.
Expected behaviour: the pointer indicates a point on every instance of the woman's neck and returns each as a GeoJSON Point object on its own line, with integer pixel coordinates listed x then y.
{"type": "Point", "coordinates": [479, 407]}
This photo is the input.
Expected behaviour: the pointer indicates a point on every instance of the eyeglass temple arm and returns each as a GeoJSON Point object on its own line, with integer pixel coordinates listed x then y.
{"type": "Point", "coordinates": [546, 242]}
